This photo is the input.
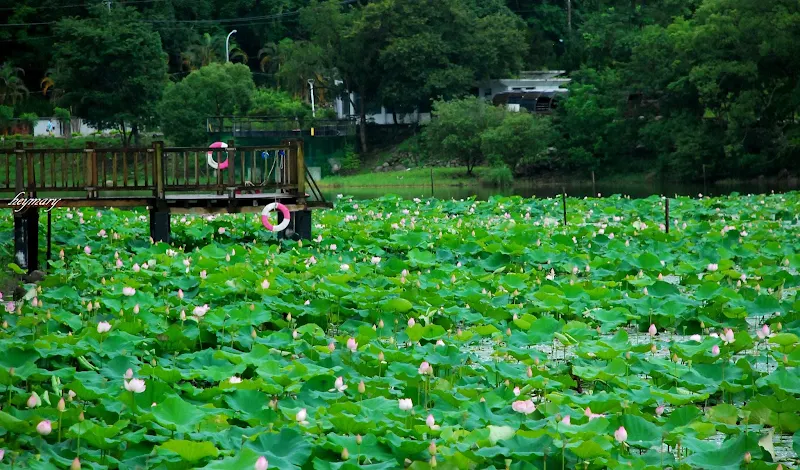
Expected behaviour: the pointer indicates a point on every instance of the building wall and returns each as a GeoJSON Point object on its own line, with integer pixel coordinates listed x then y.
{"type": "Point", "coordinates": [77, 126]}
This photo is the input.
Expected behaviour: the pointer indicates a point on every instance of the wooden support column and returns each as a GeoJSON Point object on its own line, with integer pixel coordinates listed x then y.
{"type": "Point", "coordinates": [299, 227]}
{"type": "Point", "coordinates": [300, 171]}
{"type": "Point", "coordinates": [159, 214]}
{"type": "Point", "coordinates": [26, 239]}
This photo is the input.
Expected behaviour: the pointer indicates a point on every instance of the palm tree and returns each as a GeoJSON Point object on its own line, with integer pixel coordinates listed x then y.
{"type": "Point", "coordinates": [12, 88]}
{"type": "Point", "coordinates": [201, 54]}
{"type": "Point", "coordinates": [48, 85]}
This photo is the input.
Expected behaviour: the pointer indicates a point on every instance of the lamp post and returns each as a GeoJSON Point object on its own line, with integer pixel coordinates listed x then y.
{"type": "Point", "coordinates": [227, 46]}
{"type": "Point", "coordinates": [311, 85]}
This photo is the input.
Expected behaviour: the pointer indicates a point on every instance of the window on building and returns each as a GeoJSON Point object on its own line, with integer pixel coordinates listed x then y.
{"type": "Point", "coordinates": [487, 92]}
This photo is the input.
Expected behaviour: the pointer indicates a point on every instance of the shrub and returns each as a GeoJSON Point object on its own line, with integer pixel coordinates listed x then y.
{"type": "Point", "coordinates": [500, 175]}
{"type": "Point", "coordinates": [30, 119]}
{"type": "Point", "coordinates": [350, 162]}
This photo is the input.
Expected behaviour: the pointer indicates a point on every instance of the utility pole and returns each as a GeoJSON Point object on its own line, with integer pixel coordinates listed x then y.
{"type": "Point", "coordinates": [569, 15]}
{"type": "Point", "coordinates": [311, 85]}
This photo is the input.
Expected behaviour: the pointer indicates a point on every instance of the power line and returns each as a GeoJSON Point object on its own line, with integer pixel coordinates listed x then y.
{"type": "Point", "coordinates": [77, 5]}
{"type": "Point", "coordinates": [243, 21]}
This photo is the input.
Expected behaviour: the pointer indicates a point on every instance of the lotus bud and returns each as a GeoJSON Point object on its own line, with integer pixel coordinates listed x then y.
{"type": "Point", "coordinates": [778, 326]}
{"type": "Point", "coordinates": [508, 331]}
{"type": "Point", "coordinates": [432, 448]}
{"type": "Point", "coordinates": [345, 454]}
{"type": "Point", "coordinates": [747, 457]}
{"type": "Point", "coordinates": [381, 357]}
{"type": "Point", "coordinates": [153, 362]}
{"type": "Point", "coordinates": [628, 355]}
{"type": "Point", "coordinates": [653, 349]}
{"type": "Point", "coordinates": [529, 372]}
{"type": "Point", "coordinates": [76, 464]}
{"type": "Point", "coordinates": [358, 439]}
{"type": "Point", "coordinates": [81, 417]}
{"type": "Point", "coordinates": [252, 307]}
{"type": "Point", "coordinates": [433, 461]}
{"type": "Point", "coordinates": [380, 323]}
{"type": "Point", "coordinates": [253, 333]}
{"type": "Point", "coordinates": [12, 371]}
{"type": "Point", "coordinates": [361, 387]}
{"type": "Point", "coordinates": [61, 405]}
{"type": "Point", "coordinates": [289, 317]}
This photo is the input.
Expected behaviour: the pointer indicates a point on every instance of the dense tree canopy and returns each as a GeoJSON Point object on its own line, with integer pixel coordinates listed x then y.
{"type": "Point", "coordinates": [112, 68]}
{"type": "Point", "coordinates": [665, 84]}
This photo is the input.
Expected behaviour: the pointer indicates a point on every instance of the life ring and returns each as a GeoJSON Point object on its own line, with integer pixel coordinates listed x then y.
{"type": "Point", "coordinates": [211, 162]}
{"type": "Point", "coordinates": [265, 216]}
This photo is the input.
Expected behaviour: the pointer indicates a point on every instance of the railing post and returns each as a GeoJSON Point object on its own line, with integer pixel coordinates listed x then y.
{"type": "Point", "coordinates": [91, 169]}
{"type": "Point", "coordinates": [300, 169]}
{"type": "Point", "coordinates": [31, 170]}
{"type": "Point", "coordinates": [158, 168]}
{"type": "Point", "coordinates": [231, 150]}
{"type": "Point", "coordinates": [19, 152]}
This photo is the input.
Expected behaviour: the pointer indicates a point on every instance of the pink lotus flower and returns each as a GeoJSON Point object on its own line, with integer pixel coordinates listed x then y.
{"type": "Point", "coordinates": [430, 421]}
{"type": "Point", "coordinates": [199, 312]}
{"type": "Point", "coordinates": [128, 291]}
{"type": "Point", "coordinates": [652, 331]}
{"type": "Point", "coordinates": [411, 322]}
{"type": "Point", "coordinates": [34, 401]}
{"type": "Point", "coordinates": [221, 230]}
{"type": "Point", "coordinates": [352, 345]}
{"type": "Point", "coordinates": [712, 267]}
{"type": "Point", "coordinates": [588, 413]}
{"type": "Point", "coordinates": [621, 435]}
{"type": "Point", "coordinates": [338, 385]}
{"type": "Point", "coordinates": [301, 416]}
{"type": "Point", "coordinates": [523, 406]}
{"type": "Point", "coordinates": [764, 332]}
{"type": "Point", "coordinates": [715, 350]}
{"type": "Point", "coordinates": [696, 338]}
{"type": "Point", "coordinates": [136, 309]}
{"type": "Point", "coordinates": [331, 347]}
{"type": "Point", "coordinates": [87, 250]}
{"type": "Point", "coordinates": [405, 404]}
{"type": "Point", "coordinates": [135, 385]}
{"type": "Point", "coordinates": [180, 294]}
{"type": "Point", "coordinates": [119, 263]}
{"type": "Point", "coordinates": [203, 274]}
{"type": "Point", "coordinates": [101, 233]}
{"type": "Point", "coordinates": [235, 380]}
{"type": "Point", "coordinates": [265, 284]}
{"type": "Point", "coordinates": [567, 420]}
{"type": "Point", "coordinates": [103, 327]}
{"type": "Point", "coordinates": [44, 428]}
{"type": "Point", "coordinates": [728, 337]}
{"type": "Point", "coordinates": [516, 391]}
{"type": "Point", "coordinates": [438, 342]}
{"type": "Point", "coordinates": [425, 368]}
{"type": "Point", "coordinates": [261, 463]}
{"type": "Point", "coordinates": [376, 259]}
{"type": "Point", "coordinates": [76, 464]}
{"type": "Point", "coordinates": [136, 267]}
{"type": "Point", "coordinates": [129, 374]}
{"type": "Point", "coordinates": [660, 410]}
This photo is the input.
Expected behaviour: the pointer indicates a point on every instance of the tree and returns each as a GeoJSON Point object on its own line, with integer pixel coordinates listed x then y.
{"type": "Point", "coordinates": [520, 142]}
{"type": "Point", "coordinates": [214, 90]}
{"type": "Point", "coordinates": [112, 69]}
{"type": "Point", "coordinates": [12, 88]}
{"type": "Point", "coordinates": [456, 128]}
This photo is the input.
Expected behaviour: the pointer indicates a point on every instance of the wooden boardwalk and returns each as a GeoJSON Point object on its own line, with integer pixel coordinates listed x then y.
{"type": "Point", "coordinates": [166, 180]}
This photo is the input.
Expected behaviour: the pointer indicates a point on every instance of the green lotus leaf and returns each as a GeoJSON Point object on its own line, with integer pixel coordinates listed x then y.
{"type": "Point", "coordinates": [189, 451]}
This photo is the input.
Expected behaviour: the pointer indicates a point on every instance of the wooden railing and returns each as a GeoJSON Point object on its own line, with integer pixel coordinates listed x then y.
{"type": "Point", "coordinates": [158, 169]}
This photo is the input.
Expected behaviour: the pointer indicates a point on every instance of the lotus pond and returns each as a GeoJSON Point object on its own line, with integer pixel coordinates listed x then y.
{"type": "Point", "coordinates": [413, 333]}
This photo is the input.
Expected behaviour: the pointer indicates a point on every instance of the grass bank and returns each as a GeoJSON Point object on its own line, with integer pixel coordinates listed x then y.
{"type": "Point", "coordinates": [456, 176]}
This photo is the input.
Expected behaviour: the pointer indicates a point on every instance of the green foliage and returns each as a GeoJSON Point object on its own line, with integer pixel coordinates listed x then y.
{"type": "Point", "coordinates": [214, 90]}
{"type": "Point", "coordinates": [111, 67]}
{"type": "Point", "coordinates": [456, 128]}
{"type": "Point", "coordinates": [30, 119]}
{"type": "Point", "coordinates": [6, 114]}
{"type": "Point", "coordinates": [350, 161]}
{"type": "Point", "coordinates": [473, 130]}
{"type": "Point", "coordinates": [500, 175]}
{"type": "Point", "coordinates": [62, 114]}
{"type": "Point", "coordinates": [271, 102]}
{"type": "Point", "coordinates": [519, 143]}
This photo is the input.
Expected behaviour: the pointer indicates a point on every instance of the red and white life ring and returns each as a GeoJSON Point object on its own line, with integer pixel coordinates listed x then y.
{"type": "Point", "coordinates": [265, 216]}
{"type": "Point", "coordinates": [211, 162]}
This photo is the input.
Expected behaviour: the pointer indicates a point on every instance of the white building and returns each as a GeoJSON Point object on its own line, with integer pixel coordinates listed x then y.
{"type": "Point", "coordinates": [534, 91]}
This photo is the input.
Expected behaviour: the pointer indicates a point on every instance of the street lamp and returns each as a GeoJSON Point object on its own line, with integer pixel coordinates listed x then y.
{"type": "Point", "coordinates": [227, 46]}
{"type": "Point", "coordinates": [311, 85]}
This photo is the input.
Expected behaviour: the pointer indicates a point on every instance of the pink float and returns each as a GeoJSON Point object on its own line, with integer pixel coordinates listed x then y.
{"type": "Point", "coordinates": [265, 216]}
{"type": "Point", "coordinates": [211, 162]}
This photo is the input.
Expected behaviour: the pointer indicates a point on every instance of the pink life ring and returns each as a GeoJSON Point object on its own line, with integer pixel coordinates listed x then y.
{"type": "Point", "coordinates": [265, 216]}
{"type": "Point", "coordinates": [211, 162]}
